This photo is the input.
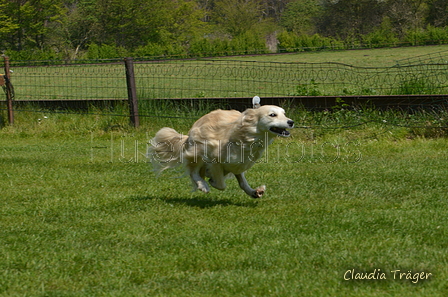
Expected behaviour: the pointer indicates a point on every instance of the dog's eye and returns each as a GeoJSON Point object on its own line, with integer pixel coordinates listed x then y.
{"type": "Point", "coordinates": [272, 115]}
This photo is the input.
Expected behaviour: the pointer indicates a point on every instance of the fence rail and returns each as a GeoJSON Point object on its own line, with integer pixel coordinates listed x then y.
{"type": "Point", "coordinates": [208, 79]}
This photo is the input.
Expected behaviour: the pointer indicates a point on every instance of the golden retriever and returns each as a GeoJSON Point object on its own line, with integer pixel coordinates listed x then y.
{"type": "Point", "coordinates": [219, 144]}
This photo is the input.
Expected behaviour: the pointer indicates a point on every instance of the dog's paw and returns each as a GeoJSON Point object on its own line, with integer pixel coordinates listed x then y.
{"type": "Point", "coordinates": [203, 187]}
{"type": "Point", "coordinates": [259, 191]}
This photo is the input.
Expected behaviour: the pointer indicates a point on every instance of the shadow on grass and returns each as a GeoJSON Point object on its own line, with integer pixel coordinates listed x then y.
{"type": "Point", "coordinates": [198, 202]}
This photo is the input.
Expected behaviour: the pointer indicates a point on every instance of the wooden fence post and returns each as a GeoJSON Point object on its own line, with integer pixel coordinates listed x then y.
{"type": "Point", "coordinates": [132, 92]}
{"type": "Point", "coordinates": [9, 91]}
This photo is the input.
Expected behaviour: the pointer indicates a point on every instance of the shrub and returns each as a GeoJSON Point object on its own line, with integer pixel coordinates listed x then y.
{"type": "Point", "coordinates": [382, 36]}
{"type": "Point", "coordinates": [248, 43]}
{"type": "Point", "coordinates": [287, 41]}
{"type": "Point", "coordinates": [429, 36]}
{"type": "Point", "coordinates": [415, 37]}
{"type": "Point", "coordinates": [149, 50]}
{"type": "Point", "coordinates": [34, 55]}
{"type": "Point", "coordinates": [105, 51]}
{"type": "Point", "coordinates": [291, 42]}
{"type": "Point", "coordinates": [437, 35]}
{"type": "Point", "coordinates": [201, 48]}
{"type": "Point", "coordinates": [208, 47]}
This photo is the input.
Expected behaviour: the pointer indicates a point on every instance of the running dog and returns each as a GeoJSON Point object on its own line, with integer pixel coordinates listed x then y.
{"type": "Point", "coordinates": [219, 144]}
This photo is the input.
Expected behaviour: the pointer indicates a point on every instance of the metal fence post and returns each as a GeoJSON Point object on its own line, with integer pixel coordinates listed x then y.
{"type": "Point", "coordinates": [132, 92]}
{"type": "Point", "coordinates": [9, 91]}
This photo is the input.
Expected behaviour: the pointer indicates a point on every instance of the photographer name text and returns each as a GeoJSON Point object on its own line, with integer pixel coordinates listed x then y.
{"type": "Point", "coordinates": [378, 274]}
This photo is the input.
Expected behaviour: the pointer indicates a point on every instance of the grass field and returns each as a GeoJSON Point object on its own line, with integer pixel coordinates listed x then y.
{"type": "Point", "coordinates": [380, 57]}
{"type": "Point", "coordinates": [82, 215]}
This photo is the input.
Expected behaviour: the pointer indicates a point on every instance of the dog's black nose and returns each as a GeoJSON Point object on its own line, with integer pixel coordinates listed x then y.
{"type": "Point", "coordinates": [290, 123]}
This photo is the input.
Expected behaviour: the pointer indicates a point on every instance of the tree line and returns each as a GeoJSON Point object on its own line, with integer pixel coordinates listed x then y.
{"type": "Point", "coordinates": [75, 29]}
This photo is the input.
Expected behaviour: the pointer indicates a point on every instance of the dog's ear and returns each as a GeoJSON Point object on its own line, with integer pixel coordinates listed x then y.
{"type": "Point", "coordinates": [256, 102]}
{"type": "Point", "coordinates": [249, 116]}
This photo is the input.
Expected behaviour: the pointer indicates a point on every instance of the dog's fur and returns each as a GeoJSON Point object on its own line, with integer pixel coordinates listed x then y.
{"type": "Point", "coordinates": [219, 144]}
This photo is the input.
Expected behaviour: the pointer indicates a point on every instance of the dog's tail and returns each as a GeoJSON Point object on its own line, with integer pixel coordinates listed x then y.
{"type": "Point", "coordinates": [166, 149]}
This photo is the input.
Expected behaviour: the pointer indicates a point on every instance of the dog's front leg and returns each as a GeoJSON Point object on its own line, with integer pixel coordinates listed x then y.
{"type": "Point", "coordinates": [254, 193]}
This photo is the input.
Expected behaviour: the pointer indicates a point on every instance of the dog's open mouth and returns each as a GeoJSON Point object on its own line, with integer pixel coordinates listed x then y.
{"type": "Point", "coordinates": [280, 131]}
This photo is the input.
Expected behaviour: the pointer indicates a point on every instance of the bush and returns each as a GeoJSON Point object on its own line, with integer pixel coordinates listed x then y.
{"type": "Point", "coordinates": [149, 50]}
{"type": "Point", "coordinates": [212, 46]}
{"type": "Point", "coordinates": [105, 51]}
{"type": "Point", "coordinates": [34, 55]}
{"type": "Point", "coordinates": [291, 42]}
{"type": "Point", "coordinates": [201, 47]}
{"type": "Point", "coordinates": [415, 37]}
{"type": "Point", "coordinates": [429, 36]}
{"type": "Point", "coordinates": [248, 43]}
{"type": "Point", "coordinates": [382, 36]}
{"type": "Point", "coordinates": [437, 35]}
{"type": "Point", "coordinates": [287, 41]}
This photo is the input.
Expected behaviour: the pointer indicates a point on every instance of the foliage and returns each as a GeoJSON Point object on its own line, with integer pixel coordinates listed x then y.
{"type": "Point", "coordinates": [34, 55]}
{"type": "Point", "coordinates": [291, 42]}
{"type": "Point", "coordinates": [69, 28]}
{"type": "Point", "coordinates": [437, 14]}
{"type": "Point", "coordinates": [7, 24]}
{"type": "Point", "coordinates": [105, 51]}
{"type": "Point", "coordinates": [151, 50]}
{"type": "Point", "coordinates": [237, 16]}
{"type": "Point", "coordinates": [430, 35]}
{"type": "Point", "coordinates": [300, 16]}
{"type": "Point", "coordinates": [350, 18]}
{"type": "Point", "coordinates": [384, 35]}
{"type": "Point", "coordinates": [27, 22]}
{"type": "Point", "coordinates": [248, 42]}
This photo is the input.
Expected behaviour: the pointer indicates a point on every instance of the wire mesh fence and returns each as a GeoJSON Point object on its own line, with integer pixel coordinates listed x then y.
{"type": "Point", "coordinates": [82, 85]}
{"type": "Point", "coordinates": [207, 78]}
{"type": "Point", "coordinates": [68, 82]}
{"type": "Point", "coordinates": [217, 78]}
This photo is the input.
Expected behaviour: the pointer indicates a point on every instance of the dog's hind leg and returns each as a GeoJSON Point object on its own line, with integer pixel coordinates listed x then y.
{"type": "Point", "coordinates": [254, 193]}
{"type": "Point", "coordinates": [196, 178]}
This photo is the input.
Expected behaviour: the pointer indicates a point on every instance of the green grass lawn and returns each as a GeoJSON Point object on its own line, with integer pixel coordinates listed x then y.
{"type": "Point", "coordinates": [82, 215]}
{"type": "Point", "coordinates": [379, 57]}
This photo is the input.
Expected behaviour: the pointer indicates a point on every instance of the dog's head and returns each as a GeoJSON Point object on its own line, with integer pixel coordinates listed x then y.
{"type": "Point", "coordinates": [271, 119]}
